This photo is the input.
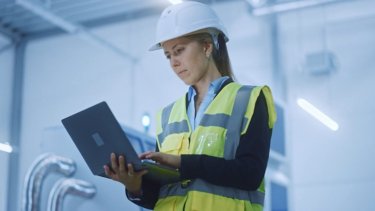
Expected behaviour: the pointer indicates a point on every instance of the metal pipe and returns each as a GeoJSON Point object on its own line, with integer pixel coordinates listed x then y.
{"type": "Point", "coordinates": [69, 186]}
{"type": "Point", "coordinates": [38, 171]}
{"type": "Point", "coordinates": [15, 125]}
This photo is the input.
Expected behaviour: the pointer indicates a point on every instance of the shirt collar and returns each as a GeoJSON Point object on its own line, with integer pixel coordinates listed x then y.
{"type": "Point", "coordinates": [213, 88]}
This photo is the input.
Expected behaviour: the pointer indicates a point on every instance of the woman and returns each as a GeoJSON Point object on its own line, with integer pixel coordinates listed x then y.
{"type": "Point", "coordinates": [218, 134]}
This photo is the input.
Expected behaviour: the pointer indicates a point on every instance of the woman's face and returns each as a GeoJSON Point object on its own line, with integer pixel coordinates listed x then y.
{"type": "Point", "coordinates": [188, 59]}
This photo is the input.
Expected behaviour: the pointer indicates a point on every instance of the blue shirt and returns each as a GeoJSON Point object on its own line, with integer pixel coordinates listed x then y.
{"type": "Point", "coordinates": [213, 88]}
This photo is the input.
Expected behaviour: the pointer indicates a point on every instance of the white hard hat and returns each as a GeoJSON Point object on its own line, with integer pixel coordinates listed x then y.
{"type": "Point", "coordinates": [186, 18]}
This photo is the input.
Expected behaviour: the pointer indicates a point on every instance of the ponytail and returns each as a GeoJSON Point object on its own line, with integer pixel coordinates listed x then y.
{"type": "Point", "coordinates": [221, 57]}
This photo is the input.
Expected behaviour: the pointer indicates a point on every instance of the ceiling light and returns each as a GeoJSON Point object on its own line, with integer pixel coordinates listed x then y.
{"type": "Point", "coordinates": [146, 120]}
{"type": "Point", "coordinates": [6, 147]}
{"type": "Point", "coordinates": [316, 113]}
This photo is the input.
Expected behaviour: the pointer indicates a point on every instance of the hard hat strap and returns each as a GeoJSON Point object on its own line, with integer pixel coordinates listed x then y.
{"type": "Point", "coordinates": [215, 39]}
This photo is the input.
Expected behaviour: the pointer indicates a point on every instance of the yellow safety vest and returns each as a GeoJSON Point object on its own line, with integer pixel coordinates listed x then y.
{"type": "Point", "coordinates": [218, 134]}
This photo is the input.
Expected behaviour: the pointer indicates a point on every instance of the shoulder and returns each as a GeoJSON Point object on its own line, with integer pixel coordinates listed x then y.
{"type": "Point", "coordinates": [169, 107]}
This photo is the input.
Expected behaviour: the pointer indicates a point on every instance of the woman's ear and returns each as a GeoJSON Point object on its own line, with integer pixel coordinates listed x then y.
{"type": "Point", "coordinates": [207, 47]}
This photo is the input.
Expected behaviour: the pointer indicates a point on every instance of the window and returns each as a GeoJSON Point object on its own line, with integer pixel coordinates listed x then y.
{"type": "Point", "coordinates": [279, 197]}
{"type": "Point", "coordinates": [278, 133]}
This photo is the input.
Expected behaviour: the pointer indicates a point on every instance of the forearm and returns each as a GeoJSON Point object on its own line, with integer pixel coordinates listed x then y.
{"type": "Point", "coordinates": [242, 173]}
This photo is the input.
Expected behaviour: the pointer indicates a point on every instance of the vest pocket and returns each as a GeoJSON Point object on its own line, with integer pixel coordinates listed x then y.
{"type": "Point", "coordinates": [209, 141]}
{"type": "Point", "coordinates": [175, 144]}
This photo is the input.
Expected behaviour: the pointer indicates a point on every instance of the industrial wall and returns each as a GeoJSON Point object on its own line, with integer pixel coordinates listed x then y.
{"type": "Point", "coordinates": [6, 67]}
{"type": "Point", "coordinates": [329, 170]}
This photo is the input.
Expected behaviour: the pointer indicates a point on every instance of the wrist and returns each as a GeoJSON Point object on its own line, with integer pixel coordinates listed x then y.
{"type": "Point", "coordinates": [134, 196]}
{"type": "Point", "coordinates": [135, 193]}
{"type": "Point", "coordinates": [178, 162]}
{"type": "Point", "coordinates": [175, 161]}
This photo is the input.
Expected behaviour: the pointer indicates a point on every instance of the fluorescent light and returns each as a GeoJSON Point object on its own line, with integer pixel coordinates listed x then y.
{"type": "Point", "coordinates": [315, 112]}
{"type": "Point", "coordinates": [175, 1]}
{"type": "Point", "coordinates": [280, 177]}
{"type": "Point", "coordinates": [6, 147]}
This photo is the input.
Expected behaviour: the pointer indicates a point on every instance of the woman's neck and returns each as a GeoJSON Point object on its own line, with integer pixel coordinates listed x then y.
{"type": "Point", "coordinates": [201, 87]}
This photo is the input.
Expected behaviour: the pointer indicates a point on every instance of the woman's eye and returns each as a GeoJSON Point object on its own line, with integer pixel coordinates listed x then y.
{"type": "Point", "coordinates": [168, 56]}
{"type": "Point", "coordinates": [179, 50]}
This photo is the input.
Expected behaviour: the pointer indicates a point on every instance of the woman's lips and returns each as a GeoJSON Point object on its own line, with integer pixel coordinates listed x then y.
{"type": "Point", "coordinates": [181, 72]}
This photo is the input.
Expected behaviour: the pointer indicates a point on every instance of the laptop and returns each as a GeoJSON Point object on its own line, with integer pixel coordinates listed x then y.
{"type": "Point", "coordinates": [96, 133]}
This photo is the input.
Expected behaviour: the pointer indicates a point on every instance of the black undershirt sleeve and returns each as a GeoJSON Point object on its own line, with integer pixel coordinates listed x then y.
{"type": "Point", "coordinates": [247, 170]}
{"type": "Point", "coordinates": [150, 194]}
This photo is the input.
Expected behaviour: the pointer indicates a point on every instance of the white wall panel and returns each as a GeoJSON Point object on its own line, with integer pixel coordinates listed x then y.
{"type": "Point", "coordinates": [332, 170]}
{"type": "Point", "coordinates": [64, 75]}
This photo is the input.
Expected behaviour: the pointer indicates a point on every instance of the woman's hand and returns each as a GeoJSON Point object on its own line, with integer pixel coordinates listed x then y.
{"type": "Point", "coordinates": [132, 180]}
{"type": "Point", "coordinates": [173, 161]}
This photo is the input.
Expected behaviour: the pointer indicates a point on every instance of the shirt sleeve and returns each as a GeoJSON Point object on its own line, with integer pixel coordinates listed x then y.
{"type": "Point", "coordinates": [149, 197]}
{"type": "Point", "coordinates": [247, 170]}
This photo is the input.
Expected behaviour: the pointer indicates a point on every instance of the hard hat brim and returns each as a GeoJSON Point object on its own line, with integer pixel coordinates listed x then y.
{"type": "Point", "coordinates": [158, 46]}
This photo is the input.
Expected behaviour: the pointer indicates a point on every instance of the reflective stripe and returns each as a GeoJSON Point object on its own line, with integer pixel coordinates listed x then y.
{"type": "Point", "coordinates": [174, 127]}
{"type": "Point", "coordinates": [218, 120]}
{"type": "Point", "coordinates": [176, 189]}
{"type": "Point", "coordinates": [244, 123]}
{"type": "Point", "coordinates": [164, 121]}
{"type": "Point", "coordinates": [235, 122]}
{"type": "Point", "coordinates": [165, 115]}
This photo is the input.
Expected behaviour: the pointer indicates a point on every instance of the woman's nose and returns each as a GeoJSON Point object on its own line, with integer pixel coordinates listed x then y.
{"type": "Point", "coordinates": [174, 61]}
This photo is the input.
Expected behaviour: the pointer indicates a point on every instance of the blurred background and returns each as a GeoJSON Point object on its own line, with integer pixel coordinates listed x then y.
{"type": "Point", "coordinates": [58, 57]}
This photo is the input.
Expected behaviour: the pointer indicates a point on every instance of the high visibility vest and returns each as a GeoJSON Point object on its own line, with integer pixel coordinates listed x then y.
{"type": "Point", "coordinates": [218, 134]}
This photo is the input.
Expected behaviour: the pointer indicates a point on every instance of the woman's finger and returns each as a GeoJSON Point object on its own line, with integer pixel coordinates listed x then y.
{"type": "Point", "coordinates": [122, 164]}
{"type": "Point", "coordinates": [107, 171]}
{"type": "Point", "coordinates": [130, 170]}
{"type": "Point", "coordinates": [144, 154]}
{"type": "Point", "coordinates": [155, 156]}
{"type": "Point", "coordinates": [143, 172]}
{"type": "Point", "coordinates": [114, 162]}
